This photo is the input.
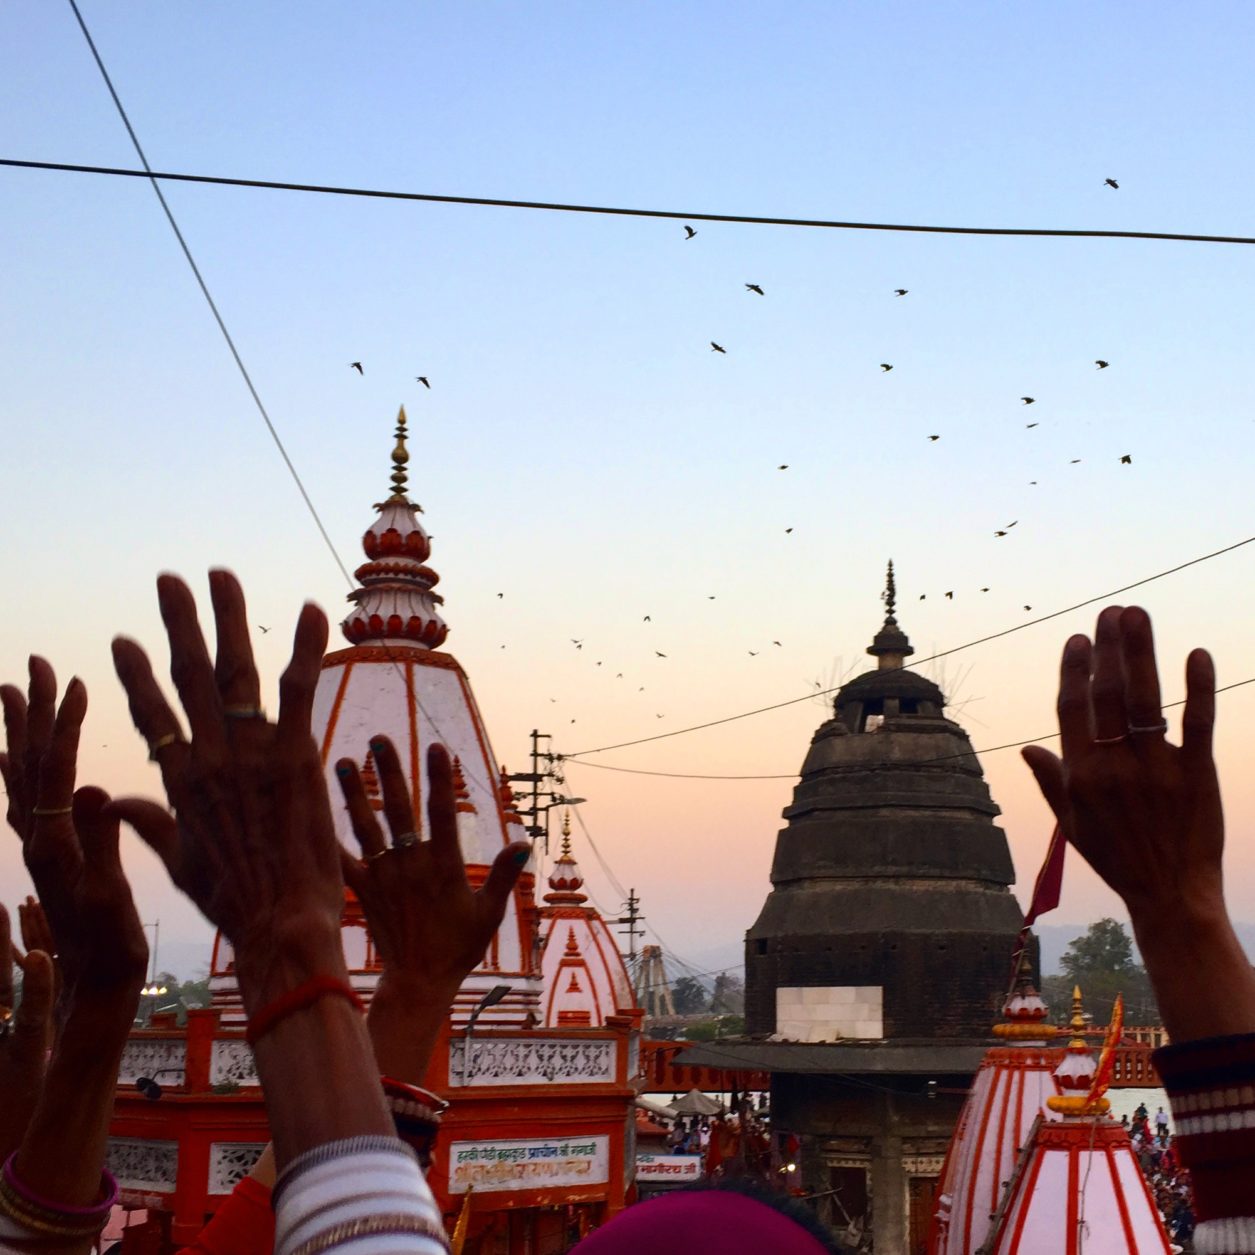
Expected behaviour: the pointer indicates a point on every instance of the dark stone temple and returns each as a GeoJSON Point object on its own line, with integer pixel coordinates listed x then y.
{"type": "Point", "coordinates": [882, 953]}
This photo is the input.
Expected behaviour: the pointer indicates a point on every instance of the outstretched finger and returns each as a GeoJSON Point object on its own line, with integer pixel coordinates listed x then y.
{"type": "Point", "coordinates": [190, 667]}
{"type": "Point", "coordinates": [397, 807]}
{"type": "Point", "coordinates": [153, 716]}
{"type": "Point", "coordinates": [156, 828]}
{"type": "Point", "coordinates": [41, 710]}
{"type": "Point", "coordinates": [1144, 701]}
{"type": "Point", "coordinates": [300, 678]}
{"type": "Point", "coordinates": [7, 950]}
{"type": "Point", "coordinates": [353, 873]}
{"type": "Point", "coordinates": [59, 762]}
{"type": "Point", "coordinates": [13, 701]}
{"type": "Point", "coordinates": [442, 814]}
{"type": "Point", "coordinates": [235, 671]}
{"type": "Point", "coordinates": [1199, 718]}
{"type": "Point", "coordinates": [1075, 726]}
{"type": "Point", "coordinates": [366, 828]}
{"type": "Point", "coordinates": [35, 929]}
{"type": "Point", "coordinates": [1111, 719]}
{"type": "Point", "coordinates": [1047, 770]}
{"type": "Point", "coordinates": [32, 1025]}
{"type": "Point", "coordinates": [502, 877]}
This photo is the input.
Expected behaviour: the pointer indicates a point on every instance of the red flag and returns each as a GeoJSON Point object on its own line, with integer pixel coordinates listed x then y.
{"type": "Point", "coordinates": [1046, 893]}
{"type": "Point", "coordinates": [1107, 1060]}
{"type": "Point", "coordinates": [1049, 886]}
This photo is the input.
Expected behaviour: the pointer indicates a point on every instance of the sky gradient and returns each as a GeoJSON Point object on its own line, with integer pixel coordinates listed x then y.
{"type": "Point", "coordinates": [583, 457]}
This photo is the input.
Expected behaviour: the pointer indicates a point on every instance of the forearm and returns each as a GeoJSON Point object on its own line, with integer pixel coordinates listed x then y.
{"type": "Point", "coordinates": [316, 1067]}
{"type": "Point", "coordinates": [405, 1021]}
{"type": "Point", "coordinates": [1203, 979]}
{"type": "Point", "coordinates": [75, 1106]}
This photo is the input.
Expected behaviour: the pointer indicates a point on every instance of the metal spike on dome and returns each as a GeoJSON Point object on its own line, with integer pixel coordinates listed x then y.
{"type": "Point", "coordinates": [400, 456]}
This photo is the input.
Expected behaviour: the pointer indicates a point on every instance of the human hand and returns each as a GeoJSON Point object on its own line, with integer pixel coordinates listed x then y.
{"type": "Point", "coordinates": [427, 922]}
{"type": "Point", "coordinates": [85, 915]}
{"type": "Point", "coordinates": [251, 839]}
{"type": "Point", "coordinates": [1145, 814]}
{"type": "Point", "coordinates": [25, 1035]}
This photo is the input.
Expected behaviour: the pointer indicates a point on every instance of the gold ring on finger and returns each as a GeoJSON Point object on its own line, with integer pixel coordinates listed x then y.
{"type": "Point", "coordinates": [370, 858]}
{"type": "Point", "coordinates": [243, 712]}
{"type": "Point", "coordinates": [158, 744]}
{"type": "Point", "coordinates": [52, 810]}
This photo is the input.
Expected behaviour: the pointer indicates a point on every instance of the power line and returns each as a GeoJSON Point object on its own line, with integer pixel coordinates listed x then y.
{"type": "Point", "coordinates": [922, 762]}
{"type": "Point", "coordinates": [945, 653]}
{"type": "Point", "coordinates": [497, 202]}
{"type": "Point", "coordinates": [152, 177]}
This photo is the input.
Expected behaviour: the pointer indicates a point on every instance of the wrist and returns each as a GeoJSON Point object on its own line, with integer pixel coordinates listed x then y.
{"type": "Point", "coordinates": [268, 971]}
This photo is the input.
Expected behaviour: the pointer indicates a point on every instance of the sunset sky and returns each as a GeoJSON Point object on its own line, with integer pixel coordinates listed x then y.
{"type": "Point", "coordinates": [583, 457]}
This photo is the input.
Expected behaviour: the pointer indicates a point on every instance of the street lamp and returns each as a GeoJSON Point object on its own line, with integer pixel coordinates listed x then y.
{"type": "Point", "coordinates": [149, 1087]}
{"type": "Point", "coordinates": [490, 999]}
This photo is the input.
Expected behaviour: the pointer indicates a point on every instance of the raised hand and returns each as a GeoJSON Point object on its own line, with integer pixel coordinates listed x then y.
{"type": "Point", "coordinates": [429, 926]}
{"type": "Point", "coordinates": [25, 1035]}
{"type": "Point", "coordinates": [1146, 815]}
{"type": "Point", "coordinates": [251, 839]}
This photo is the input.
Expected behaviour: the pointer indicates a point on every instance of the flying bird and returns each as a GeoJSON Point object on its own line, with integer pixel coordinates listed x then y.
{"type": "Point", "coordinates": [934, 437]}
{"type": "Point", "coordinates": [984, 590]}
{"type": "Point", "coordinates": [753, 653]}
{"type": "Point", "coordinates": [1111, 183]}
{"type": "Point", "coordinates": [1028, 607]}
{"type": "Point", "coordinates": [1029, 426]}
{"type": "Point", "coordinates": [1075, 461]}
{"type": "Point", "coordinates": [717, 348]}
{"type": "Point", "coordinates": [777, 643]}
{"type": "Point", "coordinates": [500, 596]}
{"type": "Point", "coordinates": [1126, 459]}
{"type": "Point", "coordinates": [922, 596]}
{"type": "Point", "coordinates": [1013, 522]}
{"type": "Point", "coordinates": [711, 596]}
{"type": "Point", "coordinates": [950, 596]}
{"type": "Point", "coordinates": [262, 629]}
{"type": "Point", "coordinates": [660, 654]}
{"type": "Point", "coordinates": [900, 291]}
{"type": "Point", "coordinates": [618, 675]}
{"type": "Point", "coordinates": [783, 467]}
{"type": "Point", "coordinates": [1101, 364]}
{"type": "Point", "coordinates": [1028, 400]}
{"type": "Point", "coordinates": [753, 287]}
{"type": "Point", "coordinates": [357, 366]}
{"type": "Point", "coordinates": [787, 530]}
{"type": "Point", "coordinates": [999, 533]}
{"type": "Point", "coordinates": [886, 367]}
{"type": "Point", "coordinates": [647, 619]}
{"type": "Point", "coordinates": [689, 232]}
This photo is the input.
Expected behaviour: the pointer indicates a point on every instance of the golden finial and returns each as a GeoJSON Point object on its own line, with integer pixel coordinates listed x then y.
{"type": "Point", "coordinates": [1077, 1022]}
{"type": "Point", "coordinates": [400, 456]}
{"type": "Point", "coordinates": [566, 834]}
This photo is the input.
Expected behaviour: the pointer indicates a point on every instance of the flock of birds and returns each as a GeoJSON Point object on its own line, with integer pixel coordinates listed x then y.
{"type": "Point", "coordinates": [756, 289]}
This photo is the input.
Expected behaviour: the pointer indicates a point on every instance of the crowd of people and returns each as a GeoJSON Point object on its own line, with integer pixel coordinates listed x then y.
{"type": "Point", "coordinates": [1166, 1178]}
{"type": "Point", "coordinates": [245, 831]}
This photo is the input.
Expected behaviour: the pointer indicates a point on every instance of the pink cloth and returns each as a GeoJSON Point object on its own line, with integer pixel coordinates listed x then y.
{"type": "Point", "coordinates": [701, 1220]}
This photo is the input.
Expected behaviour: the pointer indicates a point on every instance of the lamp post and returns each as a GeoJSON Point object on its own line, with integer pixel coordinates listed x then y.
{"type": "Point", "coordinates": [490, 999]}
{"type": "Point", "coordinates": [152, 989]}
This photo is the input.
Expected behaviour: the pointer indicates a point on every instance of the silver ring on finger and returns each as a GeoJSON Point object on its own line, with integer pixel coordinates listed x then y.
{"type": "Point", "coordinates": [1150, 729]}
{"type": "Point", "coordinates": [1111, 740]}
{"type": "Point", "coordinates": [406, 839]}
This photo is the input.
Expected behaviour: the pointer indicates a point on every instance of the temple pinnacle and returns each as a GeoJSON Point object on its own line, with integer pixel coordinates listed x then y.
{"type": "Point", "coordinates": [400, 456]}
{"type": "Point", "coordinates": [890, 595]}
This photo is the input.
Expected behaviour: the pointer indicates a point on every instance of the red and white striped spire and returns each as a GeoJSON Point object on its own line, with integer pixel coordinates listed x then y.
{"type": "Point", "coordinates": [395, 601]}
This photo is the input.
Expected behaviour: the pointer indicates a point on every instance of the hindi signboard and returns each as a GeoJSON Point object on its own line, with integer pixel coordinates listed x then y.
{"type": "Point", "coordinates": [529, 1164]}
{"type": "Point", "coordinates": [668, 1169]}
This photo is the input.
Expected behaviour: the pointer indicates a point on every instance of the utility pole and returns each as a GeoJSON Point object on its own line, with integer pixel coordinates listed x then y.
{"type": "Point", "coordinates": [543, 771]}
{"type": "Point", "coordinates": [632, 909]}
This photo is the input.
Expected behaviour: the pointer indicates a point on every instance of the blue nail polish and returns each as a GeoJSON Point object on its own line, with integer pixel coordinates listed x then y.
{"type": "Point", "coordinates": [521, 857]}
{"type": "Point", "coordinates": [344, 771]}
{"type": "Point", "coordinates": [378, 745]}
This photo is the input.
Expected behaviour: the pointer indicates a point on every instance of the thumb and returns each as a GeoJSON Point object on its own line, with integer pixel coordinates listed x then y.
{"type": "Point", "coordinates": [97, 831]}
{"type": "Point", "coordinates": [502, 877]}
{"type": "Point", "coordinates": [32, 1024]}
{"type": "Point", "coordinates": [1047, 770]}
{"type": "Point", "coordinates": [156, 828]}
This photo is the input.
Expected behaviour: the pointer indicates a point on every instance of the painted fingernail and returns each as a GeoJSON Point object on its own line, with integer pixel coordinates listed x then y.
{"type": "Point", "coordinates": [343, 770]}
{"type": "Point", "coordinates": [521, 857]}
{"type": "Point", "coordinates": [378, 744]}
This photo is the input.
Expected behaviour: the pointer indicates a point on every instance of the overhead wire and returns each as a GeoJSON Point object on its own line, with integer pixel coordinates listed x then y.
{"type": "Point", "coordinates": [919, 762]}
{"type": "Point", "coordinates": [944, 653]}
{"type": "Point", "coordinates": [153, 178]}
{"type": "Point", "coordinates": [499, 202]}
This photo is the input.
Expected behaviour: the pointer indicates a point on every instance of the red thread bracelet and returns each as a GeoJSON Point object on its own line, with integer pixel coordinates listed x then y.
{"type": "Point", "coordinates": [304, 995]}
